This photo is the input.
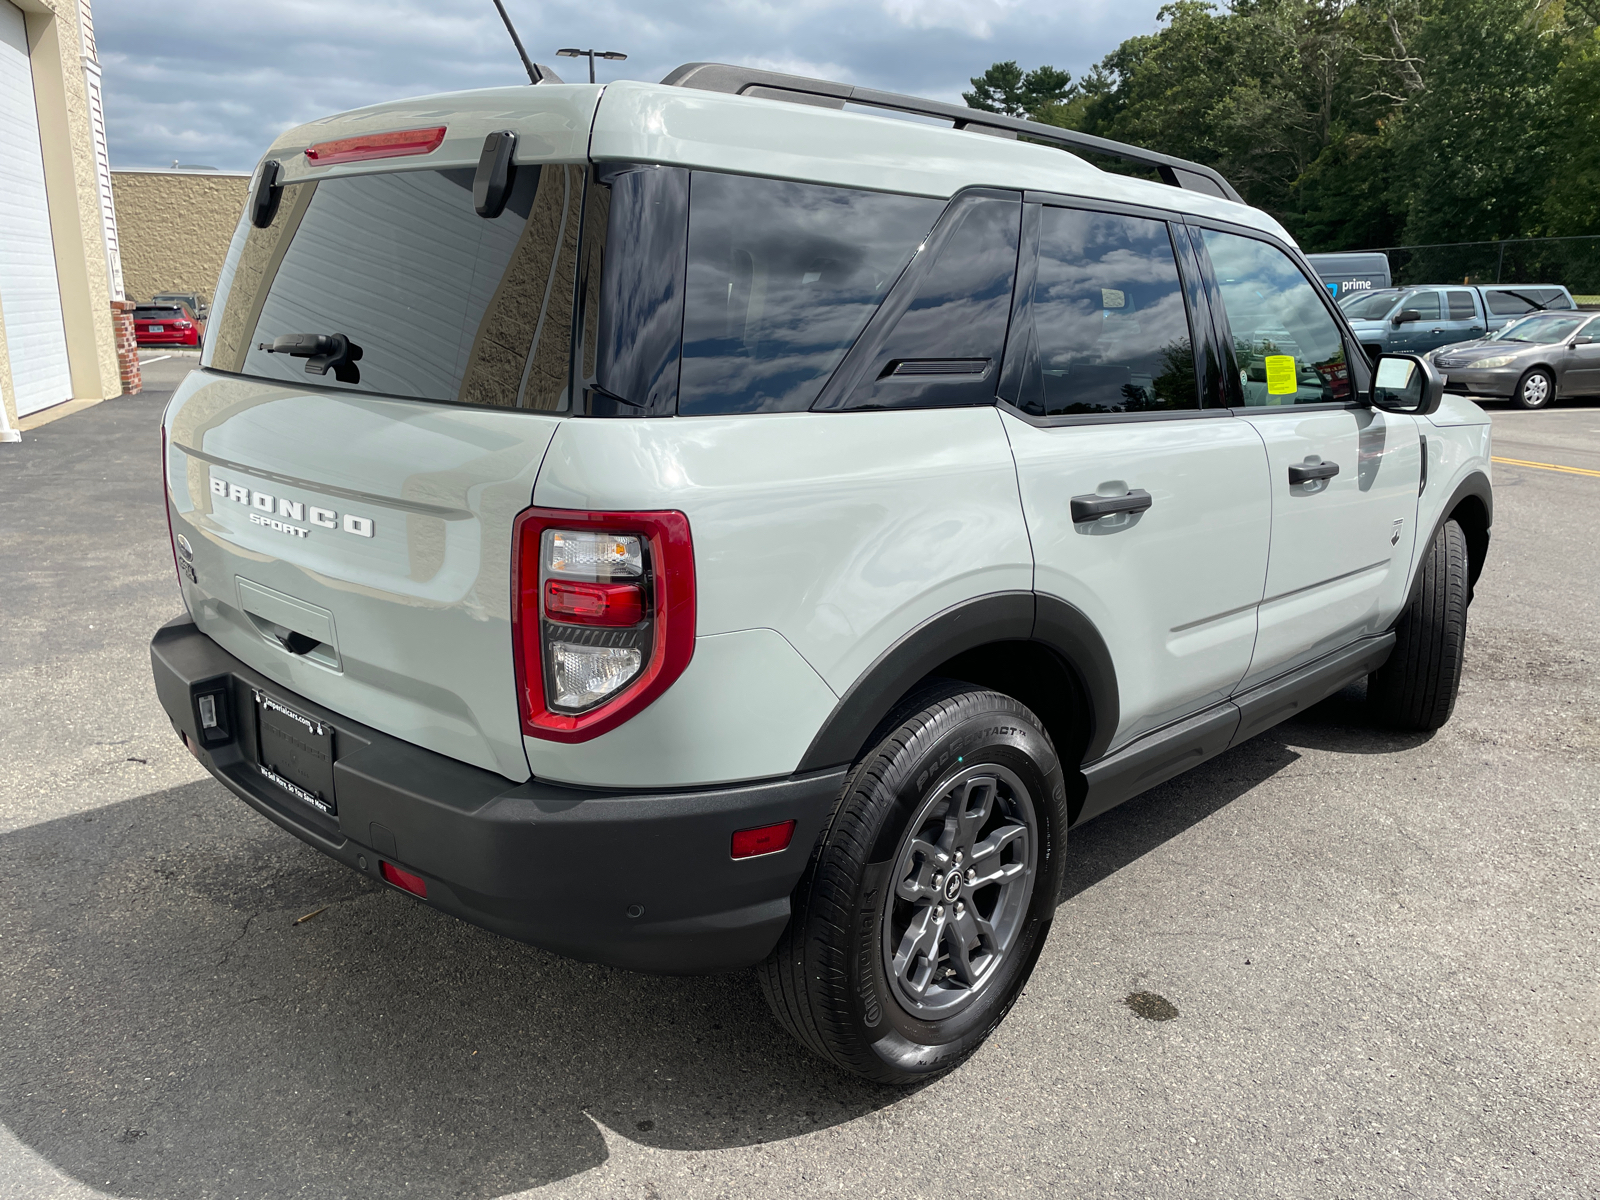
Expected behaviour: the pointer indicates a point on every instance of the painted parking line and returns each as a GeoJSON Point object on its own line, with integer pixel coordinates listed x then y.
{"type": "Point", "coordinates": [157, 358]}
{"type": "Point", "coordinates": [1521, 462]}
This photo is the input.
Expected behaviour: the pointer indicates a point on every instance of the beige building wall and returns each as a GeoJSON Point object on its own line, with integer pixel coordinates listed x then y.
{"type": "Point", "coordinates": [61, 52]}
{"type": "Point", "coordinates": [174, 228]}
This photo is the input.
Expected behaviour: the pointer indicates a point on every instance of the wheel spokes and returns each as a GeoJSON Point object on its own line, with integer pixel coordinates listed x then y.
{"type": "Point", "coordinates": [971, 810]}
{"type": "Point", "coordinates": [916, 881]}
{"type": "Point", "coordinates": [916, 959]}
{"type": "Point", "coordinates": [986, 855]}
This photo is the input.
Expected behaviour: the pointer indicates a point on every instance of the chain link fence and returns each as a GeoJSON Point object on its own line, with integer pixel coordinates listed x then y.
{"type": "Point", "coordinates": [1573, 261]}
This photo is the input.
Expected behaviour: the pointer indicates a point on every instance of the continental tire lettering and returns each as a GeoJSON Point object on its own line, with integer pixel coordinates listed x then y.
{"type": "Point", "coordinates": [871, 1013]}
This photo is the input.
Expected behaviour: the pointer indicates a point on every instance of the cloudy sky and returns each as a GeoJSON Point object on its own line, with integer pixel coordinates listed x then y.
{"type": "Point", "coordinates": [214, 82]}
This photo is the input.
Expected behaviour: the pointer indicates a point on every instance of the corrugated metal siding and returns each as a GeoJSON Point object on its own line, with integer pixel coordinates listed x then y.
{"type": "Point", "coordinates": [29, 290]}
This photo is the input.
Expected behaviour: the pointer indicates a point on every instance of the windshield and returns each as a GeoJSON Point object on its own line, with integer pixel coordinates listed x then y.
{"type": "Point", "coordinates": [1541, 329]}
{"type": "Point", "coordinates": [1369, 306]}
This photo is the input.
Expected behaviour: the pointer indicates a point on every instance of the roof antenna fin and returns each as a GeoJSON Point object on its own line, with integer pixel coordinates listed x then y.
{"type": "Point", "coordinates": [534, 74]}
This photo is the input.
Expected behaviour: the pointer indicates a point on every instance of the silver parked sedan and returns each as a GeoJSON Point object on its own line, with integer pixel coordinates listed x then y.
{"type": "Point", "coordinates": [1532, 361]}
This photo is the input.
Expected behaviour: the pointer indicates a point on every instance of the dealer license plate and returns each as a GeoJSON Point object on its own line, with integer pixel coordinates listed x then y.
{"type": "Point", "coordinates": [295, 753]}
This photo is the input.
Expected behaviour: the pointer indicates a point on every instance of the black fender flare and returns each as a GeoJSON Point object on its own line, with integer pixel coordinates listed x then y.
{"type": "Point", "coordinates": [1476, 486]}
{"type": "Point", "coordinates": [998, 617]}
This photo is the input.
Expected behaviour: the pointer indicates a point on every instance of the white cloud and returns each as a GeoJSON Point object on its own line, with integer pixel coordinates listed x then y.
{"type": "Point", "coordinates": [218, 85]}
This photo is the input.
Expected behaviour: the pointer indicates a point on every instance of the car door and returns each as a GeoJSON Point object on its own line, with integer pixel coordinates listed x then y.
{"type": "Point", "coordinates": [1147, 512]}
{"type": "Point", "coordinates": [1462, 322]}
{"type": "Point", "coordinates": [1344, 476]}
{"type": "Point", "coordinates": [1581, 365]}
{"type": "Point", "coordinates": [1421, 335]}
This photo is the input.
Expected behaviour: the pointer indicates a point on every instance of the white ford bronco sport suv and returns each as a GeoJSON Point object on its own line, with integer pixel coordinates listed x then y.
{"type": "Point", "coordinates": [715, 524]}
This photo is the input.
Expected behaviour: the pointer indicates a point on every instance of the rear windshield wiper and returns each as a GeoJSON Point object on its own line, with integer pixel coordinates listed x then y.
{"type": "Point", "coordinates": [321, 351]}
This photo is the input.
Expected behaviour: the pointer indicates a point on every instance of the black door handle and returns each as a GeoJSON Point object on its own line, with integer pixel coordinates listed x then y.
{"type": "Point", "coordinates": [1306, 472]}
{"type": "Point", "coordinates": [1093, 507]}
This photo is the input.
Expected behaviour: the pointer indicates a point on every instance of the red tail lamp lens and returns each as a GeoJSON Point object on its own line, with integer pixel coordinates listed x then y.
{"type": "Point", "coordinates": [404, 880]}
{"type": "Point", "coordinates": [769, 839]}
{"type": "Point", "coordinates": [377, 145]}
{"type": "Point", "coordinates": [631, 573]}
{"type": "Point", "coordinates": [593, 603]}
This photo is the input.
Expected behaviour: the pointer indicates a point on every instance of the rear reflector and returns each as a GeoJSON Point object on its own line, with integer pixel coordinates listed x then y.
{"type": "Point", "coordinates": [404, 880]}
{"type": "Point", "coordinates": [377, 145]}
{"type": "Point", "coordinates": [593, 603]}
{"type": "Point", "coordinates": [769, 839]}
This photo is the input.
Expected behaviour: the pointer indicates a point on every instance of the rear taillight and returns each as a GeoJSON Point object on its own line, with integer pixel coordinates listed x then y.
{"type": "Point", "coordinates": [602, 619]}
{"type": "Point", "coordinates": [182, 324]}
{"type": "Point", "coordinates": [377, 145]}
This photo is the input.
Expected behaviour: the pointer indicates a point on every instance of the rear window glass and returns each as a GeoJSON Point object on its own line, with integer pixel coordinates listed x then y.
{"type": "Point", "coordinates": [443, 304]}
{"type": "Point", "coordinates": [146, 313]}
{"type": "Point", "coordinates": [782, 278]}
{"type": "Point", "coordinates": [1461, 306]}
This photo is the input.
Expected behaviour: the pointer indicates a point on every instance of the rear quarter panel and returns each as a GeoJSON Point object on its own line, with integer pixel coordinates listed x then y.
{"type": "Point", "coordinates": [835, 533]}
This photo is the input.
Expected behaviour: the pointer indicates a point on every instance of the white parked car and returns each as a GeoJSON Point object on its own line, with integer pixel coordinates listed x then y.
{"type": "Point", "coordinates": [695, 526]}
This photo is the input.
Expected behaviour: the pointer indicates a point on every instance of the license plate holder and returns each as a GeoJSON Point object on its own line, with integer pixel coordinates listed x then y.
{"type": "Point", "coordinates": [294, 753]}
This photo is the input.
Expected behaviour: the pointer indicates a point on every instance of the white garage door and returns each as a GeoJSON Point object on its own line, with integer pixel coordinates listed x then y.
{"type": "Point", "coordinates": [29, 294]}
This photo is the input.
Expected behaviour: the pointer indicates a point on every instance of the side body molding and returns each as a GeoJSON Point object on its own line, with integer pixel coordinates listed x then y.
{"type": "Point", "coordinates": [1000, 617]}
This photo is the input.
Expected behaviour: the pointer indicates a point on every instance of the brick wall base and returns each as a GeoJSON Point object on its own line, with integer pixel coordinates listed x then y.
{"type": "Point", "coordinates": [127, 347]}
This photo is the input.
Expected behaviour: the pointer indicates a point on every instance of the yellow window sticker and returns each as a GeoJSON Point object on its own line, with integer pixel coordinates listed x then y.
{"type": "Point", "coordinates": [1281, 375]}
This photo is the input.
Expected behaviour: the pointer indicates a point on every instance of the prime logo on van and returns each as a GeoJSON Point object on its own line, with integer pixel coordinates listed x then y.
{"type": "Point", "coordinates": [278, 512]}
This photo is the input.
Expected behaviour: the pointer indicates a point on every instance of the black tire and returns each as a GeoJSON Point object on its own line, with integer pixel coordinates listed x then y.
{"type": "Point", "coordinates": [1416, 688]}
{"type": "Point", "coordinates": [1536, 389]}
{"type": "Point", "coordinates": [832, 980]}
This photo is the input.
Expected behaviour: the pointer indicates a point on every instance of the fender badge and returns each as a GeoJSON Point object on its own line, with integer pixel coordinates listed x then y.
{"type": "Point", "coordinates": [1394, 538]}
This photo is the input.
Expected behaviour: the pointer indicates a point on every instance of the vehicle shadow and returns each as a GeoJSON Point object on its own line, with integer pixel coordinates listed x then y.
{"type": "Point", "coordinates": [171, 1030]}
{"type": "Point", "coordinates": [1340, 724]}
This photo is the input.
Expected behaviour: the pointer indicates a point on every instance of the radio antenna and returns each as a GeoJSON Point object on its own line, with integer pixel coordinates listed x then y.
{"type": "Point", "coordinates": [534, 75]}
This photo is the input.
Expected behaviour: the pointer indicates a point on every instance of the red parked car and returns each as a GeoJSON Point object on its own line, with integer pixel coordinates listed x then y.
{"type": "Point", "coordinates": [168, 324]}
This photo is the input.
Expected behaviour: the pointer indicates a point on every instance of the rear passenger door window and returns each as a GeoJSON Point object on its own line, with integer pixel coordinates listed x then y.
{"type": "Point", "coordinates": [1288, 347]}
{"type": "Point", "coordinates": [1111, 328]}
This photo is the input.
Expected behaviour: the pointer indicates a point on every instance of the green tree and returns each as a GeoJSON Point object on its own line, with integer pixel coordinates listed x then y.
{"type": "Point", "coordinates": [1360, 123]}
{"type": "Point", "coordinates": [1003, 88]}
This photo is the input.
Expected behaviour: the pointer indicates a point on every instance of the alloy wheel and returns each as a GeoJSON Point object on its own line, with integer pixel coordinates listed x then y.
{"type": "Point", "coordinates": [963, 879]}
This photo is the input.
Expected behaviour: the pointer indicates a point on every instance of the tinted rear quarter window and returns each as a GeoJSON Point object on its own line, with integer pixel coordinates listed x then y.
{"type": "Point", "coordinates": [1461, 306]}
{"type": "Point", "coordinates": [444, 304]}
{"type": "Point", "coordinates": [782, 278]}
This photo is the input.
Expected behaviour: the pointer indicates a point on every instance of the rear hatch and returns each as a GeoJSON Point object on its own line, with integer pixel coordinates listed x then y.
{"type": "Point", "coordinates": [342, 508]}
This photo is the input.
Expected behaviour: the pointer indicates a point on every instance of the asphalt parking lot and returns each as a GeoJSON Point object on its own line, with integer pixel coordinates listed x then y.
{"type": "Point", "coordinates": [1383, 949]}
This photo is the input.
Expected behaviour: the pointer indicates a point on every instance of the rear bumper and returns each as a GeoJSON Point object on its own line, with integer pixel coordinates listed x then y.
{"type": "Point", "coordinates": [559, 867]}
{"type": "Point", "coordinates": [187, 337]}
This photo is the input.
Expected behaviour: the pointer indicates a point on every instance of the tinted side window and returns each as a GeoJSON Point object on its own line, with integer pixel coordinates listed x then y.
{"type": "Point", "coordinates": [939, 339]}
{"type": "Point", "coordinates": [782, 279]}
{"type": "Point", "coordinates": [640, 333]}
{"type": "Point", "coordinates": [1288, 346]}
{"type": "Point", "coordinates": [1109, 318]}
{"type": "Point", "coordinates": [1508, 304]}
{"type": "Point", "coordinates": [443, 304]}
{"type": "Point", "coordinates": [1461, 306]}
{"type": "Point", "coordinates": [1426, 303]}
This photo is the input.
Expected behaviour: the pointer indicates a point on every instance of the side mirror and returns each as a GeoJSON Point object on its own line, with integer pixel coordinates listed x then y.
{"type": "Point", "coordinates": [1407, 383]}
{"type": "Point", "coordinates": [1407, 314]}
{"type": "Point", "coordinates": [1583, 339]}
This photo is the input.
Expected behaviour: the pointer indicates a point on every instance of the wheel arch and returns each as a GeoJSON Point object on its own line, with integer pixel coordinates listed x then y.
{"type": "Point", "coordinates": [1471, 506]}
{"type": "Point", "coordinates": [1038, 649]}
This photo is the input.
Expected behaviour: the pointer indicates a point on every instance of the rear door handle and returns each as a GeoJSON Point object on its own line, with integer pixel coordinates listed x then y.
{"type": "Point", "coordinates": [1306, 472]}
{"type": "Point", "coordinates": [1092, 507]}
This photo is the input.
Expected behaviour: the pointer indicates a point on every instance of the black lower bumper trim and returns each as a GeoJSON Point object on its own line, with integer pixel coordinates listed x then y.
{"type": "Point", "coordinates": [642, 880]}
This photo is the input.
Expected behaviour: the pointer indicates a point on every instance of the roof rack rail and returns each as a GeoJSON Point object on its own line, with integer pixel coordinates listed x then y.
{"type": "Point", "coordinates": [771, 85]}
